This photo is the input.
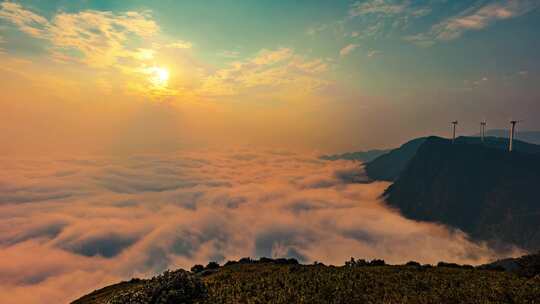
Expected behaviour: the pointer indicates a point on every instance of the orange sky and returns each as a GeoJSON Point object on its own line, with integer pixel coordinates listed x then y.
{"type": "Point", "coordinates": [97, 79]}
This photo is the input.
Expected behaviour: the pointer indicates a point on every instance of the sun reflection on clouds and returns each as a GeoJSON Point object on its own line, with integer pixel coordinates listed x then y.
{"type": "Point", "coordinates": [158, 76]}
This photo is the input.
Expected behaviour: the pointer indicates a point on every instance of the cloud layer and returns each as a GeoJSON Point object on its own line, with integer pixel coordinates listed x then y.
{"type": "Point", "coordinates": [71, 225]}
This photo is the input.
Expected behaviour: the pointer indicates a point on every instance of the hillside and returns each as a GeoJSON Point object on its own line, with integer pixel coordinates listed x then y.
{"type": "Point", "coordinates": [267, 281]}
{"type": "Point", "coordinates": [388, 166]}
{"type": "Point", "coordinates": [481, 189]}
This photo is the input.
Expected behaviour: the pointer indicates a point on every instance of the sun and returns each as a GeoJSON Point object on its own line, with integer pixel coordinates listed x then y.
{"type": "Point", "coordinates": [158, 76]}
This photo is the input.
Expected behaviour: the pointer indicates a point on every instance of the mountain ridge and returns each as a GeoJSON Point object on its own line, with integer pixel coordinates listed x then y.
{"type": "Point", "coordinates": [483, 190]}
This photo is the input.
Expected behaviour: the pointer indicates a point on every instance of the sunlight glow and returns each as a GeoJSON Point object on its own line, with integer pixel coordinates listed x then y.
{"type": "Point", "coordinates": [159, 76]}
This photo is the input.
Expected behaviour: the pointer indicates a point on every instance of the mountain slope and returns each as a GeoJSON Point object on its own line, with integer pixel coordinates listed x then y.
{"type": "Point", "coordinates": [388, 166]}
{"type": "Point", "coordinates": [363, 156]}
{"type": "Point", "coordinates": [355, 282]}
{"type": "Point", "coordinates": [483, 190]}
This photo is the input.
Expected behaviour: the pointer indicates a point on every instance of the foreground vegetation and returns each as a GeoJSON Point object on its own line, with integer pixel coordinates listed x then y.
{"type": "Point", "coordinates": [286, 281]}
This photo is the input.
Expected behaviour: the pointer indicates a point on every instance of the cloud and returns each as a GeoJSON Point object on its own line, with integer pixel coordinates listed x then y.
{"type": "Point", "coordinates": [346, 50]}
{"type": "Point", "coordinates": [280, 70]}
{"type": "Point", "coordinates": [97, 38]}
{"type": "Point", "coordinates": [266, 57]}
{"type": "Point", "coordinates": [384, 7]}
{"type": "Point", "coordinates": [180, 44]}
{"type": "Point", "coordinates": [229, 54]}
{"type": "Point", "coordinates": [107, 42]}
{"type": "Point", "coordinates": [373, 53]}
{"type": "Point", "coordinates": [27, 21]}
{"type": "Point", "coordinates": [140, 215]}
{"type": "Point", "coordinates": [312, 31]}
{"type": "Point", "coordinates": [382, 16]}
{"type": "Point", "coordinates": [473, 19]}
{"type": "Point", "coordinates": [120, 48]}
{"type": "Point", "coordinates": [101, 38]}
{"type": "Point", "coordinates": [388, 8]}
{"type": "Point", "coordinates": [420, 39]}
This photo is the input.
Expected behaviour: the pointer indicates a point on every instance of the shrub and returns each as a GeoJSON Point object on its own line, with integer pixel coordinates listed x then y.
{"type": "Point", "coordinates": [377, 262]}
{"type": "Point", "coordinates": [197, 268]}
{"type": "Point", "coordinates": [245, 261]}
{"type": "Point", "coordinates": [212, 265]}
{"type": "Point", "coordinates": [229, 263]}
{"type": "Point", "coordinates": [413, 263]}
{"type": "Point", "coordinates": [448, 265]}
{"type": "Point", "coordinates": [266, 260]}
{"type": "Point", "coordinates": [170, 287]}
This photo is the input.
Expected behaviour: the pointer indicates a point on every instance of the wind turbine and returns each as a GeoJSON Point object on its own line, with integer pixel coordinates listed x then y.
{"type": "Point", "coordinates": [454, 123]}
{"type": "Point", "coordinates": [483, 129]}
{"type": "Point", "coordinates": [512, 133]}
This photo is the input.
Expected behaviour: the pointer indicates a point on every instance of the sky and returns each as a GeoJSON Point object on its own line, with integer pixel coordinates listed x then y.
{"type": "Point", "coordinates": [330, 76]}
{"type": "Point", "coordinates": [138, 136]}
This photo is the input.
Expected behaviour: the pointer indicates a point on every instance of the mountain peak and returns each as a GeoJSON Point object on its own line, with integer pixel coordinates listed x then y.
{"type": "Point", "coordinates": [481, 189]}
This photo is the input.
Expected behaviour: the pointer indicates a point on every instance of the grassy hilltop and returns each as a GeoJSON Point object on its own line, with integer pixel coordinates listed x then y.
{"type": "Point", "coordinates": [285, 281]}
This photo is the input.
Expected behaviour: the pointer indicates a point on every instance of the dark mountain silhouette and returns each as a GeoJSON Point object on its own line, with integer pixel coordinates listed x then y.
{"type": "Point", "coordinates": [481, 189]}
{"type": "Point", "coordinates": [525, 266]}
{"type": "Point", "coordinates": [526, 136]}
{"type": "Point", "coordinates": [363, 156]}
{"type": "Point", "coordinates": [388, 166]}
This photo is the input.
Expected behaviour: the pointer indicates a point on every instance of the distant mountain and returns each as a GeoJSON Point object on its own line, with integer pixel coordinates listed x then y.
{"type": "Point", "coordinates": [525, 266]}
{"type": "Point", "coordinates": [482, 189]}
{"type": "Point", "coordinates": [388, 166]}
{"type": "Point", "coordinates": [363, 156]}
{"type": "Point", "coordinates": [527, 136]}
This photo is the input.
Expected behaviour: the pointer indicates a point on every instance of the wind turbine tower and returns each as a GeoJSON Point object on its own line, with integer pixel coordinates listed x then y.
{"type": "Point", "coordinates": [512, 133]}
{"type": "Point", "coordinates": [483, 130]}
{"type": "Point", "coordinates": [454, 123]}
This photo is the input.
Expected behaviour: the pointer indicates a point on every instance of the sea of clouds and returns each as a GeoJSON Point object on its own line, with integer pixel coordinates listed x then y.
{"type": "Point", "coordinates": [71, 225]}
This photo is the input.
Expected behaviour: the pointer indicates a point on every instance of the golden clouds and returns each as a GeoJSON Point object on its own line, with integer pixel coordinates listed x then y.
{"type": "Point", "coordinates": [129, 48]}
{"type": "Point", "coordinates": [122, 44]}
{"type": "Point", "coordinates": [100, 38]}
{"type": "Point", "coordinates": [279, 69]}
{"type": "Point", "coordinates": [180, 44]}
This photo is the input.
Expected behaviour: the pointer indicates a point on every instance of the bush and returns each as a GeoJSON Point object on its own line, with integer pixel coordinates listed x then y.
{"type": "Point", "coordinates": [266, 260]}
{"type": "Point", "coordinates": [413, 263]}
{"type": "Point", "coordinates": [283, 261]}
{"type": "Point", "coordinates": [229, 263]}
{"type": "Point", "coordinates": [212, 265]}
{"type": "Point", "coordinates": [197, 268]}
{"type": "Point", "coordinates": [377, 262]}
{"type": "Point", "coordinates": [356, 263]}
{"type": "Point", "coordinates": [171, 287]}
{"type": "Point", "coordinates": [448, 265]}
{"type": "Point", "coordinates": [245, 261]}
